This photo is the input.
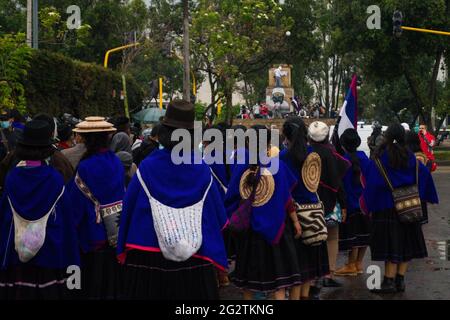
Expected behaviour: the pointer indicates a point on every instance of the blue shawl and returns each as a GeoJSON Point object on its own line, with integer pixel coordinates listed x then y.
{"type": "Point", "coordinates": [378, 196]}
{"type": "Point", "coordinates": [354, 191]}
{"type": "Point", "coordinates": [33, 191]}
{"type": "Point", "coordinates": [300, 194]}
{"type": "Point", "coordinates": [177, 186]}
{"type": "Point", "coordinates": [103, 173]}
{"type": "Point", "coordinates": [267, 220]}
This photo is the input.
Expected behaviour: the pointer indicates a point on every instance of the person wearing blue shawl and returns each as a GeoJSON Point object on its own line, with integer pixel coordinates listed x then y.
{"type": "Point", "coordinates": [221, 171]}
{"type": "Point", "coordinates": [38, 239]}
{"type": "Point", "coordinates": [266, 257]}
{"type": "Point", "coordinates": [170, 238]}
{"type": "Point", "coordinates": [312, 259]}
{"type": "Point", "coordinates": [392, 241]}
{"type": "Point", "coordinates": [354, 232]}
{"type": "Point", "coordinates": [331, 190]}
{"type": "Point", "coordinates": [97, 192]}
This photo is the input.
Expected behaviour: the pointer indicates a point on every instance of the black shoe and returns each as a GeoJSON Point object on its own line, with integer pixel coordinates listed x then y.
{"type": "Point", "coordinates": [388, 286]}
{"type": "Point", "coordinates": [314, 293]}
{"type": "Point", "coordinates": [400, 283]}
{"type": "Point", "coordinates": [331, 283]}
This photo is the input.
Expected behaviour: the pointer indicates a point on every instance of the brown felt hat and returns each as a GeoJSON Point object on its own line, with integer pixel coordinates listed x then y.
{"type": "Point", "coordinates": [180, 114]}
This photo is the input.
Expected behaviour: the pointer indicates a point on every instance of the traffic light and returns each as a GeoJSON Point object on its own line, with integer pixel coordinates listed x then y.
{"type": "Point", "coordinates": [397, 20]}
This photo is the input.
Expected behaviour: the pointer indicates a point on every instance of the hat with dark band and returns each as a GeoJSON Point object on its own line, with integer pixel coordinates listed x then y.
{"type": "Point", "coordinates": [180, 114]}
{"type": "Point", "coordinates": [36, 133]}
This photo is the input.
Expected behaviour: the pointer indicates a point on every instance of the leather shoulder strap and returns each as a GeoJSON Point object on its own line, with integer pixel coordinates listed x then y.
{"type": "Point", "coordinates": [384, 173]}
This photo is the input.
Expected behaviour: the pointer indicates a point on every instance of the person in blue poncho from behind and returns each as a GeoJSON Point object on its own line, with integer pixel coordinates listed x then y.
{"type": "Point", "coordinates": [97, 192]}
{"type": "Point", "coordinates": [266, 257]}
{"type": "Point", "coordinates": [170, 238]}
{"type": "Point", "coordinates": [38, 239]}
{"type": "Point", "coordinates": [395, 240]}
{"type": "Point", "coordinates": [354, 232]}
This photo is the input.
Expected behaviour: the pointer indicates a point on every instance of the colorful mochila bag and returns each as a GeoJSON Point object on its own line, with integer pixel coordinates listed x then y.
{"type": "Point", "coordinates": [407, 201]}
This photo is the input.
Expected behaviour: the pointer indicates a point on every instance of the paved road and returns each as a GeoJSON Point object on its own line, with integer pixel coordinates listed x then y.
{"type": "Point", "coordinates": [427, 279]}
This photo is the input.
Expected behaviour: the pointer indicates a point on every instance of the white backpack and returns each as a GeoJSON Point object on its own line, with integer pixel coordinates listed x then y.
{"type": "Point", "coordinates": [179, 231]}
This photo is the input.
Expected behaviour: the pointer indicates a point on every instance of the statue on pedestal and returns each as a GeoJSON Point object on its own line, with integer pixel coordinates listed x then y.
{"type": "Point", "coordinates": [279, 74]}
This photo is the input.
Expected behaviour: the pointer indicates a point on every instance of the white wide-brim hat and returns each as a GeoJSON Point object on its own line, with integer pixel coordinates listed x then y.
{"type": "Point", "coordinates": [94, 124]}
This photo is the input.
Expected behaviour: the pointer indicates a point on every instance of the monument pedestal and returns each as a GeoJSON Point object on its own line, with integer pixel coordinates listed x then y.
{"type": "Point", "coordinates": [281, 94]}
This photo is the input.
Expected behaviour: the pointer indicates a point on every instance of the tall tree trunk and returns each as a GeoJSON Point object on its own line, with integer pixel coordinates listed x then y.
{"type": "Point", "coordinates": [186, 53]}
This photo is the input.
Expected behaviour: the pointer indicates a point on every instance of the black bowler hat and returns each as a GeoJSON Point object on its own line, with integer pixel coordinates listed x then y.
{"type": "Point", "coordinates": [180, 114]}
{"type": "Point", "coordinates": [350, 140]}
{"type": "Point", "coordinates": [36, 133]}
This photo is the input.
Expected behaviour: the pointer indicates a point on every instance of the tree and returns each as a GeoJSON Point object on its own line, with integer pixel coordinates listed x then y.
{"type": "Point", "coordinates": [14, 62]}
{"type": "Point", "coordinates": [414, 57]}
{"type": "Point", "coordinates": [231, 39]}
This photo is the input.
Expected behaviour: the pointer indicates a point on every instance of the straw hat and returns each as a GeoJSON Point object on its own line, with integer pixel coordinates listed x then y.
{"type": "Point", "coordinates": [94, 124]}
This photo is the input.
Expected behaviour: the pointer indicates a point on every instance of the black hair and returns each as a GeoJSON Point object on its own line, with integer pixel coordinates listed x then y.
{"type": "Point", "coordinates": [155, 130]}
{"type": "Point", "coordinates": [350, 140]}
{"type": "Point", "coordinates": [413, 142]}
{"type": "Point", "coordinates": [223, 127]}
{"type": "Point", "coordinates": [33, 153]}
{"type": "Point", "coordinates": [395, 146]}
{"type": "Point", "coordinates": [165, 137]}
{"type": "Point", "coordinates": [94, 142]}
{"type": "Point", "coordinates": [122, 124]}
{"type": "Point", "coordinates": [242, 127]}
{"type": "Point", "coordinates": [252, 179]}
{"type": "Point", "coordinates": [16, 115]}
{"type": "Point", "coordinates": [294, 130]}
{"type": "Point", "coordinates": [64, 132]}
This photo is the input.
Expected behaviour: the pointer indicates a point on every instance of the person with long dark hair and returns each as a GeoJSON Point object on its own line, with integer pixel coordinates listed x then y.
{"type": "Point", "coordinates": [170, 238]}
{"type": "Point", "coordinates": [354, 233]}
{"type": "Point", "coordinates": [97, 192]}
{"type": "Point", "coordinates": [331, 190]}
{"type": "Point", "coordinates": [395, 240]}
{"type": "Point", "coordinates": [313, 259]}
{"type": "Point", "coordinates": [38, 239]}
{"type": "Point", "coordinates": [221, 171]}
{"type": "Point", "coordinates": [266, 257]}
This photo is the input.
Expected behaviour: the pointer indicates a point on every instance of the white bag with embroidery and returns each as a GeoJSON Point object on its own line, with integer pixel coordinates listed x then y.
{"type": "Point", "coordinates": [179, 231]}
{"type": "Point", "coordinates": [29, 236]}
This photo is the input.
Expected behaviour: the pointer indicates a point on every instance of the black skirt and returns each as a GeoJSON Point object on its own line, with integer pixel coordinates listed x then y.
{"type": "Point", "coordinates": [355, 232]}
{"type": "Point", "coordinates": [149, 276]}
{"type": "Point", "coordinates": [101, 275]}
{"type": "Point", "coordinates": [263, 267]}
{"type": "Point", "coordinates": [394, 241]}
{"type": "Point", "coordinates": [28, 282]}
{"type": "Point", "coordinates": [425, 213]}
{"type": "Point", "coordinates": [230, 244]}
{"type": "Point", "coordinates": [313, 260]}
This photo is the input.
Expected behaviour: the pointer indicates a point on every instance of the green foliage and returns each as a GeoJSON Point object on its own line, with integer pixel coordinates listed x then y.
{"type": "Point", "coordinates": [76, 87]}
{"type": "Point", "coordinates": [14, 62]}
{"type": "Point", "coordinates": [230, 39]}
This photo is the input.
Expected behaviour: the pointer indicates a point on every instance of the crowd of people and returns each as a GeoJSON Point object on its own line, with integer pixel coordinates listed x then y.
{"type": "Point", "coordinates": [262, 111]}
{"type": "Point", "coordinates": [142, 227]}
